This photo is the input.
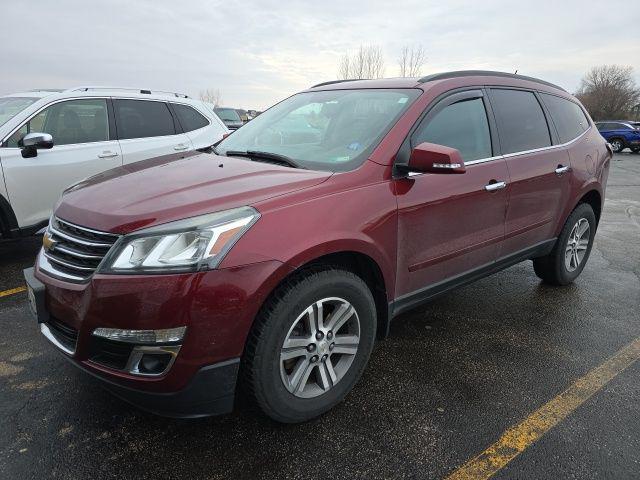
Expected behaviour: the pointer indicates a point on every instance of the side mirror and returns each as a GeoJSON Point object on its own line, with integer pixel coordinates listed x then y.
{"type": "Point", "coordinates": [433, 158]}
{"type": "Point", "coordinates": [32, 142]}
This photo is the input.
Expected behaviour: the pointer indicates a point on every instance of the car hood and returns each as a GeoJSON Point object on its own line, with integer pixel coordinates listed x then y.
{"type": "Point", "coordinates": [162, 190]}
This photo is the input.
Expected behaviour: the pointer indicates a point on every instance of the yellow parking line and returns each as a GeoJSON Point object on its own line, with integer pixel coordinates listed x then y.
{"type": "Point", "coordinates": [13, 291]}
{"type": "Point", "coordinates": [517, 438]}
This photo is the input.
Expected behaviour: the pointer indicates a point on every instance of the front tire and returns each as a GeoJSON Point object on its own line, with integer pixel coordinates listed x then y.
{"type": "Point", "coordinates": [571, 251]}
{"type": "Point", "coordinates": [635, 149]}
{"type": "Point", "coordinates": [309, 345]}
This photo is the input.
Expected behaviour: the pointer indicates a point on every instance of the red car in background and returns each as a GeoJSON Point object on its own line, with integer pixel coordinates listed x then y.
{"type": "Point", "coordinates": [268, 267]}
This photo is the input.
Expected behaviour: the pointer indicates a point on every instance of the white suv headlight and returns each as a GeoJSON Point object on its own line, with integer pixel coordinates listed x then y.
{"type": "Point", "coordinates": [189, 245]}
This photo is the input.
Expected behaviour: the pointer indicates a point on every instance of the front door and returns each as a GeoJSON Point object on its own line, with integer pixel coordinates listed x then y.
{"type": "Point", "coordinates": [451, 224]}
{"type": "Point", "coordinates": [80, 131]}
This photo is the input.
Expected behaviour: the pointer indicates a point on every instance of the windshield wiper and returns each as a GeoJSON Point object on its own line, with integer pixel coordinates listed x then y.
{"type": "Point", "coordinates": [268, 156]}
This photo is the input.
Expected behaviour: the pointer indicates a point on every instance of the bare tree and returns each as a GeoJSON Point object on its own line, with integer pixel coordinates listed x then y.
{"type": "Point", "coordinates": [367, 62]}
{"type": "Point", "coordinates": [411, 60]}
{"type": "Point", "coordinates": [211, 96]}
{"type": "Point", "coordinates": [609, 92]}
{"type": "Point", "coordinates": [344, 69]}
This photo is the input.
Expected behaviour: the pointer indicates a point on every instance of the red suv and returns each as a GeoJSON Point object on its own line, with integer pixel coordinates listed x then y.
{"type": "Point", "coordinates": [270, 265]}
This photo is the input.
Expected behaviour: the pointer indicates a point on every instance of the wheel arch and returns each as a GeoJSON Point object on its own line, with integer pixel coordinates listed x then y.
{"type": "Point", "coordinates": [353, 260]}
{"type": "Point", "coordinates": [593, 198]}
{"type": "Point", "coordinates": [591, 193]}
{"type": "Point", "coordinates": [369, 271]}
{"type": "Point", "coordinates": [8, 221]}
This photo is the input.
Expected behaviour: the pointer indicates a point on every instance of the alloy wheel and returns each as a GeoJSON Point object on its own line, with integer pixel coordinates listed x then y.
{"type": "Point", "coordinates": [577, 244]}
{"type": "Point", "coordinates": [616, 145]}
{"type": "Point", "coordinates": [319, 347]}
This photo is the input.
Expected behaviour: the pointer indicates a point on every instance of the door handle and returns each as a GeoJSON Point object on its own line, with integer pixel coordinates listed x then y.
{"type": "Point", "coordinates": [492, 187]}
{"type": "Point", "coordinates": [562, 169]}
{"type": "Point", "coordinates": [180, 146]}
{"type": "Point", "coordinates": [107, 154]}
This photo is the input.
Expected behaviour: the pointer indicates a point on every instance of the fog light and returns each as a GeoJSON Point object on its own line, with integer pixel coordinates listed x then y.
{"type": "Point", "coordinates": [154, 364]}
{"type": "Point", "coordinates": [148, 360]}
{"type": "Point", "coordinates": [165, 335]}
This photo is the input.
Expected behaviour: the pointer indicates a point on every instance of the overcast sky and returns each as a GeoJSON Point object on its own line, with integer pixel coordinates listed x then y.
{"type": "Point", "coordinates": [258, 52]}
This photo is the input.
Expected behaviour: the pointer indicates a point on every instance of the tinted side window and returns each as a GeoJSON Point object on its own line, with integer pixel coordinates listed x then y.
{"type": "Point", "coordinates": [521, 122]}
{"type": "Point", "coordinates": [71, 122]}
{"type": "Point", "coordinates": [567, 116]}
{"type": "Point", "coordinates": [143, 118]}
{"type": "Point", "coordinates": [462, 126]}
{"type": "Point", "coordinates": [189, 118]}
{"type": "Point", "coordinates": [620, 126]}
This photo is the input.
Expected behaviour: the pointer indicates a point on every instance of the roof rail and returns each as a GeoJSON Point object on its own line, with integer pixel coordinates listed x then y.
{"type": "Point", "coordinates": [331, 82]}
{"type": "Point", "coordinates": [50, 90]}
{"type": "Point", "coordinates": [145, 91]}
{"type": "Point", "coordinates": [488, 73]}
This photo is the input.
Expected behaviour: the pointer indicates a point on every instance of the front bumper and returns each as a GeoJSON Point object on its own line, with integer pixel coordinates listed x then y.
{"type": "Point", "coordinates": [211, 391]}
{"type": "Point", "coordinates": [217, 307]}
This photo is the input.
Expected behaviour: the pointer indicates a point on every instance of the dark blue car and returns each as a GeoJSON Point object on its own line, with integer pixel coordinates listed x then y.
{"type": "Point", "coordinates": [621, 135]}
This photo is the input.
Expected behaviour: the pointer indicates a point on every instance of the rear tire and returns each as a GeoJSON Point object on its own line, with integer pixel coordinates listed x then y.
{"type": "Point", "coordinates": [571, 251]}
{"type": "Point", "coordinates": [617, 144]}
{"type": "Point", "coordinates": [635, 149]}
{"type": "Point", "coordinates": [290, 369]}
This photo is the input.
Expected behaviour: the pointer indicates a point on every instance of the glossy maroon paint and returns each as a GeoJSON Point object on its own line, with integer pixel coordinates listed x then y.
{"type": "Point", "coordinates": [418, 230]}
{"type": "Point", "coordinates": [448, 224]}
{"type": "Point", "coordinates": [218, 309]}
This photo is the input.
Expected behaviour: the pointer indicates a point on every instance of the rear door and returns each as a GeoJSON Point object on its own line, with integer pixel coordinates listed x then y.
{"type": "Point", "coordinates": [449, 224]}
{"type": "Point", "coordinates": [147, 129]}
{"type": "Point", "coordinates": [540, 180]}
{"type": "Point", "coordinates": [84, 145]}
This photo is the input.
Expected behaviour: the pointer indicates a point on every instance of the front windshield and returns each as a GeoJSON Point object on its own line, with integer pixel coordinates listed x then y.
{"type": "Point", "coordinates": [228, 114]}
{"type": "Point", "coordinates": [331, 130]}
{"type": "Point", "coordinates": [11, 106]}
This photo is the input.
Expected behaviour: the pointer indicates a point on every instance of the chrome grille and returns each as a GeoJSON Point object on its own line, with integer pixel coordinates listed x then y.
{"type": "Point", "coordinates": [74, 252]}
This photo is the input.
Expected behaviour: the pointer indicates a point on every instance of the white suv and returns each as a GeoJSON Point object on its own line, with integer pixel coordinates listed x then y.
{"type": "Point", "coordinates": [52, 139]}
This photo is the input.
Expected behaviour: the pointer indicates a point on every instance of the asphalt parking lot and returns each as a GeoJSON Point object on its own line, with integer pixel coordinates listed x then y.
{"type": "Point", "coordinates": [446, 385]}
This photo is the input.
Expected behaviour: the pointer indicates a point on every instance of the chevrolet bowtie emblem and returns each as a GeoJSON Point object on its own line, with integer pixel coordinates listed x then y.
{"type": "Point", "coordinates": [48, 243]}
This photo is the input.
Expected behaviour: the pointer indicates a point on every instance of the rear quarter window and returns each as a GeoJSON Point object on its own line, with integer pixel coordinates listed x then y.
{"type": "Point", "coordinates": [189, 118]}
{"type": "Point", "coordinates": [568, 118]}
{"type": "Point", "coordinates": [521, 122]}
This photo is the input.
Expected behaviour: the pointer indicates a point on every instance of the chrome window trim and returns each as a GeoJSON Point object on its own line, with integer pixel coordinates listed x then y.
{"type": "Point", "coordinates": [482, 160]}
{"type": "Point", "coordinates": [525, 152]}
{"type": "Point", "coordinates": [552, 147]}
{"type": "Point", "coordinates": [44, 329]}
{"type": "Point", "coordinates": [24, 122]}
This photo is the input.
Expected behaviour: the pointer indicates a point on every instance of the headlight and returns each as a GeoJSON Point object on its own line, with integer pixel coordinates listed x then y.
{"type": "Point", "coordinates": [188, 245]}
